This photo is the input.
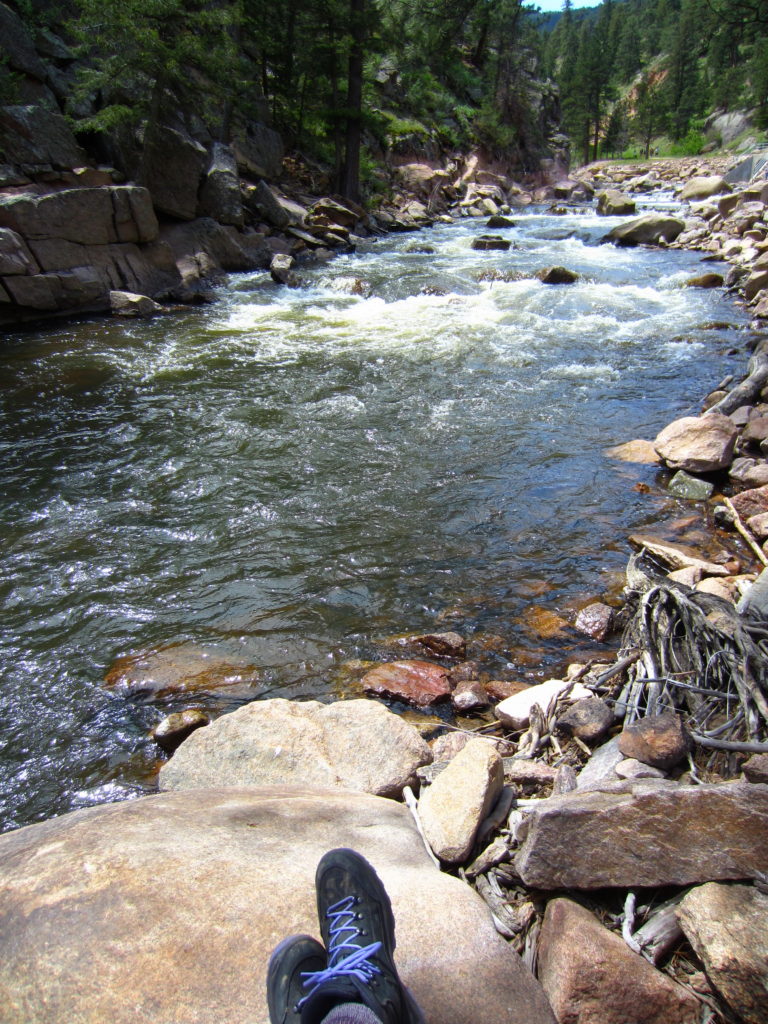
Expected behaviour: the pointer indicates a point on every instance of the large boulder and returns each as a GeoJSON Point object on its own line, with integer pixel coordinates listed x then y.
{"type": "Point", "coordinates": [86, 216]}
{"type": "Point", "coordinates": [220, 190]}
{"type": "Point", "coordinates": [258, 151]}
{"type": "Point", "coordinates": [16, 46]}
{"type": "Point", "coordinates": [36, 136]}
{"type": "Point", "coordinates": [725, 924]}
{"type": "Point", "coordinates": [704, 187]}
{"type": "Point", "coordinates": [612, 203]}
{"type": "Point", "coordinates": [591, 976]}
{"type": "Point", "coordinates": [698, 444]}
{"type": "Point", "coordinates": [167, 909]}
{"type": "Point", "coordinates": [650, 229]}
{"type": "Point", "coordinates": [646, 834]}
{"type": "Point", "coordinates": [353, 744]}
{"type": "Point", "coordinates": [172, 168]}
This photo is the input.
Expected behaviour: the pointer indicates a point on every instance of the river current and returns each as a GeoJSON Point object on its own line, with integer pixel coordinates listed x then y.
{"type": "Point", "coordinates": [290, 476]}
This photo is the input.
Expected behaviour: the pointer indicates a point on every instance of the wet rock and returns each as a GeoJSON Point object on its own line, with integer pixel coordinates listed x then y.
{"type": "Point", "coordinates": [579, 966]}
{"type": "Point", "coordinates": [725, 924]}
{"type": "Point", "coordinates": [705, 281]}
{"type": "Point", "coordinates": [220, 191]}
{"type": "Point", "coordinates": [750, 503]}
{"type": "Point", "coordinates": [497, 221]}
{"type": "Point", "coordinates": [213, 880]}
{"type": "Point", "coordinates": [692, 488]}
{"type": "Point", "coordinates": [500, 689]}
{"type": "Point", "coordinates": [130, 304]}
{"type": "Point", "coordinates": [419, 248]}
{"type": "Point", "coordinates": [676, 556]}
{"type": "Point", "coordinates": [635, 451]}
{"type": "Point", "coordinates": [703, 187]}
{"type": "Point", "coordinates": [470, 695]}
{"type": "Point", "coordinates": [515, 711]}
{"type": "Point", "coordinates": [650, 229]}
{"type": "Point", "coordinates": [590, 720]}
{"type": "Point", "coordinates": [486, 243]}
{"type": "Point", "coordinates": [416, 682]}
{"type": "Point", "coordinates": [646, 833]}
{"type": "Point", "coordinates": [352, 286]}
{"type": "Point", "coordinates": [660, 740]}
{"type": "Point", "coordinates": [176, 727]}
{"type": "Point", "coordinates": [178, 668]}
{"type": "Point", "coordinates": [545, 623]}
{"type": "Point", "coordinates": [601, 767]}
{"type": "Point", "coordinates": [353, 744]}
{"type": "Point", "coordinates": [698, 444]}
{"type": "Point", "coordinates": [281, 270]}
{"type": "Point", "coordinates": [595, 620]}
{"type": "Point", "coordinates": [445, 645]}
{"type": "Point", "coordinates": [459, 799]}
{"type": "Point", "coordinates": [557, 275]}
{"type": "Point", "coordinates": [612, 203]}
{"type": "Point", "coordinates": [756, 768]}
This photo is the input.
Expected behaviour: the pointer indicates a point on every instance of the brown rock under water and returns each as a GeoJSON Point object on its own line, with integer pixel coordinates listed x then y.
{"type": "Point", "coordinates": [178, 668]}
{"type": "Point", "coordinates": [416, 682]}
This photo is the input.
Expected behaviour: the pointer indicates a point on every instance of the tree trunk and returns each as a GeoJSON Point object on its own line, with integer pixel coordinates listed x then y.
{"type": "Point", "coordinates": [350, 182]}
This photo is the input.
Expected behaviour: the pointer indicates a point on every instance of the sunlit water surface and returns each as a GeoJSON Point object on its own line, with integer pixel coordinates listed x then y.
{"type": "Point", "coordinates": [290, 476]}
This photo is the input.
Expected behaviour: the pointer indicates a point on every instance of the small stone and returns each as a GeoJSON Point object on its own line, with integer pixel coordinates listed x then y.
{"type": "Point", "coordinates": [756, 430]}
{"type": "Point", "coordinates": [750, 503]}
{"type": "Point", "coordinates": [131, 304]}
{"type": "Point", "coordinates": [595, 620]}
{"type": "Point", "coordinates": [565, 780]}
{"type": "Point", "coordinates": [589, 719]}
{"type": "Point", "coordinates": [447, 746]}
{"type": "Point", "coordinates": [470, 695]}
{"type": "Point", "coordinates": [460, 798]}
{"type": "Point", "coordinates": [601, 767]}
{"type": "Point", "coordinates": [756, 768]}
{"type": "Point", "coordinates": [693, 488]}
{"type": "Point", "coordinates": [497, 221]}
{"type": "Point", "coordinates": [174, 729]}
{"type": "Point", "coordinates": [660, 740]}
{"type": "Point", "coordinates": [725, 924]}
{"type": "Point", "coordinates": [557, 275]}
{"type": "Point", "coordinates": [500, 689]}
{"type": "Point", "coordinates": [705, 281]}
{"type": "Point", "coordinates": [416, 682]}
{"type": "Point", "coordinates": [688, 577]}
{"type": "Point", "coordinates": [521, 771]}
{"type": "Point", "coordinates": [631, 768]}
{"type": "Point", "coordinates": [466, 670]}
{"type": "Point", "coordinates": [445, 645]}
{"type": "Point", "coordinates": [281, 270]}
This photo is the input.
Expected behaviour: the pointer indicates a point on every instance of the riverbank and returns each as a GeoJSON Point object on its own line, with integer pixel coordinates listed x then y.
{"type": "Point", "coordinates": [525, 830]}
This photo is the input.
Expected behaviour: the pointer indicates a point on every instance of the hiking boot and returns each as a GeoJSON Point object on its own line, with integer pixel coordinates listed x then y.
{"type": "Point", "coordinates": [291, 962]}
{"type": "Point", "coordinates": [358, 930]}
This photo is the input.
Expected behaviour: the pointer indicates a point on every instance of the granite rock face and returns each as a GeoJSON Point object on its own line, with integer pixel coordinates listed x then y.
{"type": "Point", "coordinates": [167, 909]}
{"type": "Point", "coordinates": [352, 744]}
{"type": "Point", "coordinates": [591, 976]}
{"type": "Point", "coordinates": [646, 833]}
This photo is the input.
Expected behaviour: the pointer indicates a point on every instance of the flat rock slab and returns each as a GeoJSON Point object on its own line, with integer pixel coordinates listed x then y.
{"type": "Point", "coordinates": [354, 744]}
{"type": "Point", "coordinates": [725, 924]}
{"type": "Point", "coordinates": [179, 668]}
{"type": "Point", "coordinates": [416, 682]}
{"type": "Point", "coordinates": [591, 976]}
{"type": "Point", "coordinates": [646, 833]}
{"type": "Point", "coordinates": [167, 908]}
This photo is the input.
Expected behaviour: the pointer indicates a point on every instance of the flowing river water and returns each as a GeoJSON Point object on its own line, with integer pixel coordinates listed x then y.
{"type": "Point", "coordinates": [290, 476]}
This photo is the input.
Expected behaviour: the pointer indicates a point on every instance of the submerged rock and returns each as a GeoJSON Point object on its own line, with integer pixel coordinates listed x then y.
{"type": "Point", "coordinates": [557, 275]}
{"type": "Point", "coordinates": [487, 242]}
{"type": "Point", "coordinates": [178, 668]}
{"type": "Point", "coordinates": [416, 682]}
{"type": "Point", "coordinates": [167, 909]}
{"type": "Point", "coordinates": [693, 488]}
{"type": "Point", "coordinates": [353, 744]}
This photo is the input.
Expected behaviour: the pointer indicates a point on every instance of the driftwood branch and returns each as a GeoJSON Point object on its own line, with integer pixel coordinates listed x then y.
{"type": "Point", "coordinates": [746, 392]}
{"type": "Point", "coordinates": [745, 533]}
{"type": "Point", "coordinates": [714, 744]}
{"type": "Point", "coordinates": [660, 933]}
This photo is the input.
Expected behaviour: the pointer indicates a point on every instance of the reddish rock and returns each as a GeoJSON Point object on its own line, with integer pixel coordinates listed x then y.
{"type": "Point", "coordinates": [751, 503]}
{"type": "Point", "coordinates": [500, 689]}
{"type": "Point", "coordinates": [698, 444]}
{"type": "Point", "coordinates": [178, 668]}
{"type": "Point", "coordinates": [526, 773]}
{"type": "Point", "coordinates": [470, 695]}
{"type": "Point", "coordinates": [590, 720]}
{"type": "Point", "coordinates": [644, 834]}
{"type": "Point", "coordinates": [595, 620]}
{"type": "Point", "coordinates": [725, 924]}
{"type": "Point", "coordinates": [416, 682]}
{"type": "Point", "coordinates": [591, 976]}
{"type": "Point", "coordinates": [756, 768]}
{"type": "Point", "coordinates": [660, 740]}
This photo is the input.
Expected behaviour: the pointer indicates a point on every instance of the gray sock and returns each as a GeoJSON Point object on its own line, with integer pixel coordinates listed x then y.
{"type": "Point", "coordinates": [351, 1013]}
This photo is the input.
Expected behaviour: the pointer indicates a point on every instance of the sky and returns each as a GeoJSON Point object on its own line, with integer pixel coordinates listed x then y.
{"type": "Point", "coordinates": [557, 5]}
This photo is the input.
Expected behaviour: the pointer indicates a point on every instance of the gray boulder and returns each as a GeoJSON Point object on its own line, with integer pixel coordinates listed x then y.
{"type": "Point", "coordinates": [167, 909]}
{"type": "Point", "coordinates": [173, 165]}
{"type": "Point", "coordinates": [36, 136]}
{"type": "Point", "coordinates": [613, 203]}
{"type": "Point", "coordinates": [220, 191]}
{"type": "Point", "coordinates": [650, 229]}
{"type": "Point", "coordinates": [16, 46]}
{"type": "Point", "coordinates": [132, 305]}
{"type": "Point", "coordinates": [258, 151]}
{"type": "Point", "coordinates": [353, 744]}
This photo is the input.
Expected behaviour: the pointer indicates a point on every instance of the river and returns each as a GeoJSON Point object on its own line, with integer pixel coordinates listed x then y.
{"type": "Point", "coordinates": [290, 476]}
